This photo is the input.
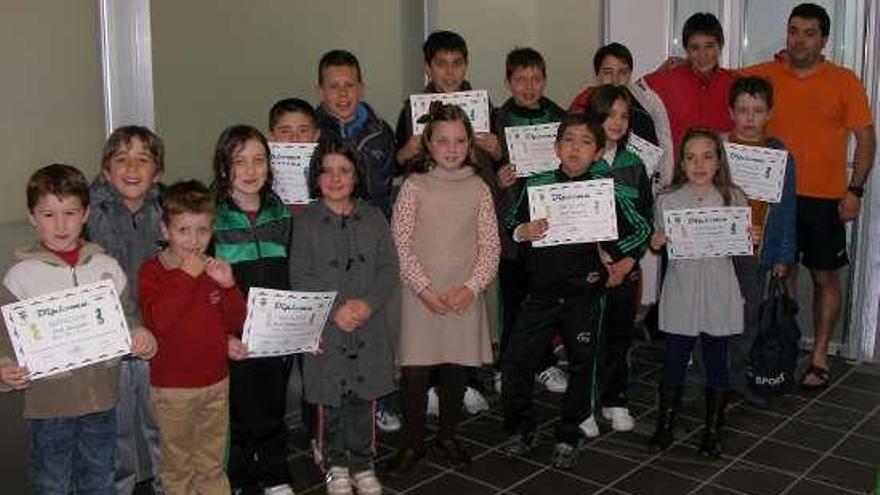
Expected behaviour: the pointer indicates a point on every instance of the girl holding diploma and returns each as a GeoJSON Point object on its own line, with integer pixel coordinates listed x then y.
{"type": "Point", "coordinates": [446, 234]}
{"type": "Point", "coordinates": [700, 297]}
{"type": "Point", "coordinates": [343, 244]}
{"type": "Point", "coordinates": [251, 232]}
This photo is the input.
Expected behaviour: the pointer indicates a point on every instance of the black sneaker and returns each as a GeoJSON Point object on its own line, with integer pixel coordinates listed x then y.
{"type": "Point", "coordinates": [565, 456]}
{"type": "Point", "coordinates": [520, 444]}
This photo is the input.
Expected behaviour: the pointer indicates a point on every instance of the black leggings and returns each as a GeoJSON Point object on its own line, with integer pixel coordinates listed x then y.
{"type": "Point", "coordinates": [678, 352]}
{"type": "Point", "coordinates": [413, 394]}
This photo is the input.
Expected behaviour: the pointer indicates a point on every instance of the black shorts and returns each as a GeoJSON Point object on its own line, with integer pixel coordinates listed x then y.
{"type": "Point", "coordinates": [821, 235]}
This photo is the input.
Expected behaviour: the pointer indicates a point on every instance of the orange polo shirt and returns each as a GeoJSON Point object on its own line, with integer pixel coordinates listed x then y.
{"type": "Point", "coordinates": [813, 117]}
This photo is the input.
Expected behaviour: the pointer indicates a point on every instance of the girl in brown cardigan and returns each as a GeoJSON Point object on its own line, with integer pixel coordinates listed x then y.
{"type": "Point", "coordinates": [446, 233]}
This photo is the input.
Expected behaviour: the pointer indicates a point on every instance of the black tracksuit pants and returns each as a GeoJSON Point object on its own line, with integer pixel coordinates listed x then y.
{"type": "Point", "coordinates": [576, 315]}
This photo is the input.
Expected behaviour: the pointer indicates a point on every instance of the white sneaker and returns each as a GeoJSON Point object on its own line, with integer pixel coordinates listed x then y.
{"type": "Point", "coordinates": [433, 403]}
{"type": "Point", "coordinates": [317, 455]}
{"type": "Point", "coordinates": [620, 418]}
{"type": "Point", "coordinates": [386, 420]}
{"type": "Point", "coordinates": [284, 489]}
{"type": "Point", "coordinates": [589, 427]}
{"type": "Point", "coordinates": [474, 402]}
{"type": "Point", "coordinates": [338, 481]}
{"type": "Point", "coordinates": [497, 383]}
{"type": "Point", "coordinates": [366, 483]}
{"type": "Point", "coordinates": [553, 379]}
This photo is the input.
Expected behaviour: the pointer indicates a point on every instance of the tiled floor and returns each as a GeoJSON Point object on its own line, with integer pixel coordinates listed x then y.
{"type": "Point", "coordinates": [804, 443]}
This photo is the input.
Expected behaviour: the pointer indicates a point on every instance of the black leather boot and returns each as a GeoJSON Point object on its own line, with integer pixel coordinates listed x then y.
{"type": "Point", "coordinates": [716, 402]}
{"type": "Point", "coordinates": [667, 410]}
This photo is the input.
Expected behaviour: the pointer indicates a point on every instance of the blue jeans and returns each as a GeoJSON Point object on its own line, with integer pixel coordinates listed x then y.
{"type": "Point", "coordinates": [73, 454]}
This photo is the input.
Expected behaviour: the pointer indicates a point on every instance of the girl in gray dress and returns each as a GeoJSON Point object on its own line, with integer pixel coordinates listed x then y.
{"type": "Point", "coordinates": [700, 297]}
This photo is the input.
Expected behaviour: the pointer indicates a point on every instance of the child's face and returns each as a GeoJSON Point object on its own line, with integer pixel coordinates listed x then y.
{"type": "Point", "coordinates": [337, 178]}
{"type": "Point", "coordinates": [341, 91]}
{"type": "Point", "coordinates": [131, 172]}
{"type": "Point", "coordinates": [188, 233]}
{"type": "Point", "coordinates": [617, 122]}
{"type": "Point", "coordinates": [703, 52]}
{"type": "Point", "coordinates": [449, 144]}
{"type": "Point", "coordinates": [248, 170]}
{"type": "Point", "coordinates": [577, 150]}
{"type": "Point", "coordinates": [295, 127]}
{"type": "Point", "coordinates": [750, 114]}
{"type": "Point", "coordinates": [527, 84]}
{"type": "Point", "coordinates": [700, 161]}
{"type": "Point", "coordinates": [446, 70]}
{"type": "Point", "coordinates": [59, 221]}
{"type": "Point", "coordinates": [614, 71]}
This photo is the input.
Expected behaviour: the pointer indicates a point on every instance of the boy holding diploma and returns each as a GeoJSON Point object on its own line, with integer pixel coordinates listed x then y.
{"type": "Point", "coordinates": [565, 293]}
{"type": "Point", "coordinates": [773, 224]}
{"type": "Point", "coordinates": [71, 416]}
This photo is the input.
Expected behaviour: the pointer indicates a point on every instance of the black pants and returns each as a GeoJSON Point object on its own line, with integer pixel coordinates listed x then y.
{"type": "Point", "coordinates": [752, 283]}
{"type": "Point", "coordinates": [512, 278]}
{"type": "Point", "coordinates": [678, 352]}
{"type": "Point", "coordinates": [619, 319]}
{"type": "Point", "coordinates": [257, 403]}
{"type": "Point", "coordinates": [414, 388]}
{"type": "Point", "coordinates": [577, 317]}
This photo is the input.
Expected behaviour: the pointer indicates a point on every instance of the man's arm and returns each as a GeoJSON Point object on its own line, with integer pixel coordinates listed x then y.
{"type": "Point", "coordinates": [866, 143]}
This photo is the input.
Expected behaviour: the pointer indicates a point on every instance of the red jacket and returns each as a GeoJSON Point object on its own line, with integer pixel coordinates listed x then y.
{"type": "Point", "coordinates": [191, 319]}
{"type": "Point", "coordinates": [581, 102]}
{"type": "Point", "coordinates": [691, 102]}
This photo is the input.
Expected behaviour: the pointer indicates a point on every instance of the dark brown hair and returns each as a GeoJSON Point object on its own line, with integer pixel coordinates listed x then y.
{"type": "Point", "coordinates": [60, 180]}
{"type": "Point", "coordinates": [230, 142]}
{"type": "Point", "coordinates": [333, 146]}
{"type": "Point", "coordinates": [189, 196]}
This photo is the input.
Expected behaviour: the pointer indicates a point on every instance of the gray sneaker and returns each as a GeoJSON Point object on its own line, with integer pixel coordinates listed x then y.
{"type": "Point", "coordinates": [565, 456]}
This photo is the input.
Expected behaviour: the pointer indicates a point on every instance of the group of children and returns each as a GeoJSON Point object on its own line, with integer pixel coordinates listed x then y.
{"type": "Point", "coordinates": [460, 213]}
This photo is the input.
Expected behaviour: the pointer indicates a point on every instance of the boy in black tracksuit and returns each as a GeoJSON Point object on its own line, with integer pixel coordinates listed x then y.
{"type": "Point", "coordinates": [566, 292]}
{"type": "Point", "coordinates": [526, 74]}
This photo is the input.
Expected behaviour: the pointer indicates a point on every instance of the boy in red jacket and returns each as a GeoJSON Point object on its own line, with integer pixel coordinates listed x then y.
{"type": "Point", "coordinates": [195, 310]}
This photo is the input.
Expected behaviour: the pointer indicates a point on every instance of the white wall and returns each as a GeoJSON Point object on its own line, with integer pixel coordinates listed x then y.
{"type": "Point", "coordinates": [566, 32]}
{"type": "Point", "coordinates": [647, 41]}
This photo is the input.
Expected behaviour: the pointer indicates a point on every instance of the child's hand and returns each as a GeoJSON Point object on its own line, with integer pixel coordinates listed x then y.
{"type": "Point", "coordinates": [459, 299]}
{"type": "Point", "coordinates": [15, 376]}
{"type": "Point", "coordinates": [618, 271]}
{"type": "Point", "coordinates": [489, 143]}
{"type": "Point", "coordinates": [361, 310]}
{"type": "Point", "coordinates": [235, 348]}
{"type": "Point", "coordinates": [780, 270]}
{"type": "Point", "coordinates": [410, 149]}
{"type": "Point", "coordinates": [658, 240]}
{"type": "Point", "coordinates": [434, 302]}
{"type": "Point", "coordinates": [143, 344]}
{"type": "Point", "coordinates": [757, 233]}
{"type": "Point", "coordinates": [506, 176]}
{"type": "Point", "coordinates": [534, 230]}
{"type": "Point", "coordinates": [193, 264]}
{"type": "Point", "coordinates": [345, 318]}
{"type": "Point", "coordinates": [220, 271]}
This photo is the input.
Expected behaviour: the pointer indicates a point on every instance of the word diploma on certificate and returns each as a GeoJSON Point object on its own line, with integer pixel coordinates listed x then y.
{"type": "Point", "coordinates": [532, 148]}
{"type": "Point", "coordinates": [67, 329]}
{"type": "Point", "coordinates": [290, 170]}
{"type": "Point", "coordinates": [649, 153]}
{"type": "Point", "coordinates": [281, 322]}
{"type": "Point", "coordinates": [576, 212]}
{"type": "Point", "coordinates": [474, 103]}
{"type": "Point", "coordinates": [708, 232]}
{"type": "Point", "coordinates": [760, 172]}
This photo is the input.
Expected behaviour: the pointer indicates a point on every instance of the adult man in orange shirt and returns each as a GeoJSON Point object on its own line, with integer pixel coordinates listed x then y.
{"type": "Point", "coordinates": [817, 105]}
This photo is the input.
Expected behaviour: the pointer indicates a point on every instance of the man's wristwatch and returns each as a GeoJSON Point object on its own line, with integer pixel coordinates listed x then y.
{"type": "Point", "coordinates": [858, 191]}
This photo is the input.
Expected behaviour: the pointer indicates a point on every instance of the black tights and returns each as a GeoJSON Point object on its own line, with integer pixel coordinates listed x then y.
{"type": "Point", "coordinates": [414, 389]}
